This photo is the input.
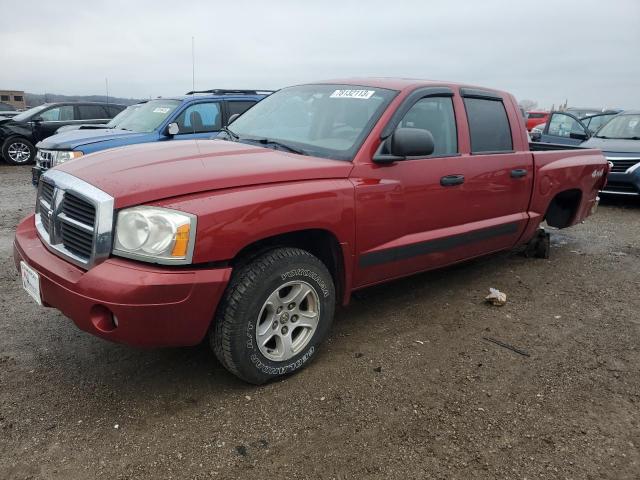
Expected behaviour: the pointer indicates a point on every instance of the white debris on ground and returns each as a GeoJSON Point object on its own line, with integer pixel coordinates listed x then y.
{"type": "Point", "coordinates": [496, 297]}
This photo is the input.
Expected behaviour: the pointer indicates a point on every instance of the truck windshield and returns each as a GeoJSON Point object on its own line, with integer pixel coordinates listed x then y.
{"type": "Point", "coordinates": [115, 121]}
{"type": "Point", "coordinates": [328, 121]}
{"type": "Point", "coordinates": [623, 127]}
{"type": "Point", "coordinates": [148, 116]}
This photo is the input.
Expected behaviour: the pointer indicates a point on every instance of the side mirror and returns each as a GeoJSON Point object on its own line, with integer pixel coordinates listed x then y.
{"type": "Point", "coordinates": [411, 142]}
{"type": "Point", "coordinates": [536, 136]}
{"type": "Point", "coordinates": [172, 129]}
{"type": "Point", "coordinates": [37, 119]}
{"type": "Point", "coordinates": [232, 118]}
{"type": "Point", "coordinates": [578, 136]}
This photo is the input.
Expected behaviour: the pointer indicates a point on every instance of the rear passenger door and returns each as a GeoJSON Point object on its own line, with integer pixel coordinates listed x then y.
{"type": "Point", "coordinates": [199, 120]}
{"type": "Point", "coordinates": [564, 129]}
{"type": "Point", "coordinates": [466, 199]}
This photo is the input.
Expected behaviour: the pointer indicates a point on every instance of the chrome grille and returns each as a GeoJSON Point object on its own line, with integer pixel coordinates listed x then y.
{"type": "Point", "coordinates": [74, 219]}
{"type": "Point", "coordinates": [44, 158]}
{"type": "Point", "coordinates": [78, 209]}
{"type": "Point", "coordinates": [621, 164]}
{"type": "Point", "coordinates": [47, 192]}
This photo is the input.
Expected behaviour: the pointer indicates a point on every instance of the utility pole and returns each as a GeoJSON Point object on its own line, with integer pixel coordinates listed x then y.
{"type": "Point", "coordinates": [106, 83]}
{"type": "Point", "coordinates": [193, 65]}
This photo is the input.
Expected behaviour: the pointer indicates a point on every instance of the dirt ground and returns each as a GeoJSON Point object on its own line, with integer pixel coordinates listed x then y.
{"type": "Point", "coordinates": [406, 387]}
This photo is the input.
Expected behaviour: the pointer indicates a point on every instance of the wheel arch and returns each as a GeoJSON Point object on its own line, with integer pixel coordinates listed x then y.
{"type": "Point", "coordinates": [319, 242]}
{"type": "Point", "coordinates": [563, 208]}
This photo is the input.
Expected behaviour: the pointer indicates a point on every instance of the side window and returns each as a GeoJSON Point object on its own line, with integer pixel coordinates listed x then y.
{"type": "Point", "coordinates": [58, 114]}
{"type": "Point", "coordinates": [201, 117]}
{"type": "Point", "coordinates": [239, 107]}
{"type": "Point", "coordinates": [562, 125]}
{"type": "Point", "coordinates": [91, 112]}
{"type": "Point", "coordinates": [488, 125]}
{"type": "Point", "coordinates": [435, 114]}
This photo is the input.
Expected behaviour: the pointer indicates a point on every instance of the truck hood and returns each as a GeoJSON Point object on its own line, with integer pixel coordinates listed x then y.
{"type": "Point", "coordinates": [612, 145]}
{"type": "Point", "coordinates": [72, 139]}
{"type": "Point", "coordinates": [153, 171]}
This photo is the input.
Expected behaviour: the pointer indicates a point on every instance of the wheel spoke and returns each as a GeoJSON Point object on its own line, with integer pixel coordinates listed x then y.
{"type": "Point", "coordinates": [307, 319]}
{"type": "Point", "coordinates": [297, 294]}
{"type": "Point", "coordinates": [286, 344]}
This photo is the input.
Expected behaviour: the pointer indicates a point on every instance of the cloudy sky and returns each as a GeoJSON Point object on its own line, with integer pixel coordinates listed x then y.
{"type": "Point", "coordinates": [585, 51]}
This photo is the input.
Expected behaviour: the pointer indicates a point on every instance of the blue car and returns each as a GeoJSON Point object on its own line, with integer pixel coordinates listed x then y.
{"type": "Point", "coordinates": [198, 114]}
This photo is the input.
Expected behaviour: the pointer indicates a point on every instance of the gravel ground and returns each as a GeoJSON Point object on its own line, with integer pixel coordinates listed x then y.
{"type": "Point", "coordinates": [406, 386]}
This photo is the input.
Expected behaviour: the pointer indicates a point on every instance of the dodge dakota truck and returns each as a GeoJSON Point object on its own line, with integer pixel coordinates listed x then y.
{"type": "Point", "coordinates": [250, 240]}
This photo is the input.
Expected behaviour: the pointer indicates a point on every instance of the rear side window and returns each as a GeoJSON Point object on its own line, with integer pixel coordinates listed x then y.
{"type": "Point", "coordinates": [488, 125]}
{"type": "Point", "coordinates": [239, 107]}
{"type": "Point", "coordinates": [435, 114]}
{"type": "Point", "coordinates": [91, 112]}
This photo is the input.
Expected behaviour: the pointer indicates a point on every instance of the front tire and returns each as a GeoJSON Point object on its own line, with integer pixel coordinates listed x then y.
{"type": "Point", "coordinates": [274, 314]}
{"type": "Point", "coordinates": [18, 151]}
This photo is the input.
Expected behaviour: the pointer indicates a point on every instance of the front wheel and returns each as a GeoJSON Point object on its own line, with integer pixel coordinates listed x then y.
{"type": "Point", "coordinates": [18, 151]}
{"type": "Point", "coordinates": [275, 313]}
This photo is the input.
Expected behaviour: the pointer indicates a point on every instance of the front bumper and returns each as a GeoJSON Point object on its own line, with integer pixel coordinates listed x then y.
{"type": "Point", "coordinates": [623, 183]}
{"type": "Point", "coordinates": [125, 301]}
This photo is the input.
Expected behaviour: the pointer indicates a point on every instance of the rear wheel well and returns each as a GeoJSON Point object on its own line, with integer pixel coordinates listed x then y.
{"type": "Point", "coordinates": [563, 208]}
{"type": "Point", "coordinates": [320, 243]}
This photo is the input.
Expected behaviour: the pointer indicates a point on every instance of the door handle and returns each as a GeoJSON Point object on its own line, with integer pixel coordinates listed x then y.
{"type": "Point", "coordinates": [518, 173]}
{"type": "Point", "coordinates": [451, 180]}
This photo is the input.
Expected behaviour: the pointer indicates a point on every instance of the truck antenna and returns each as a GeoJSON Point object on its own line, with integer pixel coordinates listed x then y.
{"type": "Point", "coordinates": [193, 65]}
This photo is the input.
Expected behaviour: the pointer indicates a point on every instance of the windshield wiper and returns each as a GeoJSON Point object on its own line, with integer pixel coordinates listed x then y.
{"type": "Point", "coordinates": [275, 143]}
{"type": "Point", "coordinates": [620, 138]}
{"type": "Point", "coordinates": [230, 133]}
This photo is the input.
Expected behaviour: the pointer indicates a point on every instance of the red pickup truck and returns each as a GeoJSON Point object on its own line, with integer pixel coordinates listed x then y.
{"type": "Point", "coordinates": [319, 190]}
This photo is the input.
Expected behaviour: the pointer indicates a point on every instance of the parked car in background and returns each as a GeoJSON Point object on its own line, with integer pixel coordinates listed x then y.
{"type": "Point", "coordinates": [594, 122]}
{"type": "Point", "coordinates": [251, 240]}
{"type": "Point", "coordinates": [536, 117]}
{"type": "Point", "coordinates": [97, 126]}
{"type": "Point", "coordinates": [580, 112]}
{"type": "Point", "coordinates": [19, 134]}
{"type": "Point", "coordinates": [195, 115]}
{"type": "Point", "coordinates": [538, 129]}
{"type": "Point", "coordinates": [619, 139]}
{"type": "Point", "coordinates": [563, 128]}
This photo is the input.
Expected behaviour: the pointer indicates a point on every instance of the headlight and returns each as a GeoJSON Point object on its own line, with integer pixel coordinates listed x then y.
{"type": "Point", "coordinates": [155, 234]}
{"type": "Point", "coordinates": [58, 157]}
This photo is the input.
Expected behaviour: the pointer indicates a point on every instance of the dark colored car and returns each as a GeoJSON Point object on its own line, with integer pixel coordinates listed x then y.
{"type": "Point", "coordinates": [619, 139]}
{"type": "Point", "coordinates": [18, 135]}
{"type": "Point", "coordinates": [102, 126]}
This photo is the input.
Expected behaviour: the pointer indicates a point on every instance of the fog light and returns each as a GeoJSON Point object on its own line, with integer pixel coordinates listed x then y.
{"type": "Point", "coordinates": [102, 319]}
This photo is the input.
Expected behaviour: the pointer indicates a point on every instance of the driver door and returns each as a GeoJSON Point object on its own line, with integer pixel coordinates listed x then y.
{"type": "Point", "coordinates": [50, 120]}
{"type": "Point", "coordinates": [565, 129]}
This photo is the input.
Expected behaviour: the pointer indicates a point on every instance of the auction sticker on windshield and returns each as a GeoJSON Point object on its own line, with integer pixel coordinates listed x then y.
{"type": "Point", "coordinates": [31, 281]}
{"type": "Point", "coordinates": [363, 94]}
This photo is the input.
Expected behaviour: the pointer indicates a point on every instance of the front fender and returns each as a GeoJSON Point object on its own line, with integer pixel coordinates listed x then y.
{"type": "Point", "coordinates": [230, 220]}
